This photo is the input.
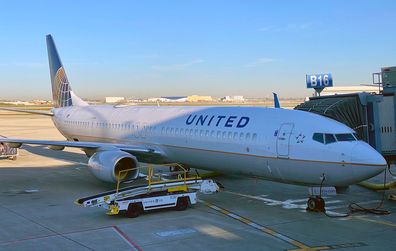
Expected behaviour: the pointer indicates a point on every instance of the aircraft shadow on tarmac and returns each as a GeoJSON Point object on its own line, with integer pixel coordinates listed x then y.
{"type": "Point", "coordinates": [60, 155]}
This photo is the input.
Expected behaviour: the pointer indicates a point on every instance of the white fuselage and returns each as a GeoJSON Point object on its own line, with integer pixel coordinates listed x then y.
{"type": "Point", "coordinates": [274, 144]}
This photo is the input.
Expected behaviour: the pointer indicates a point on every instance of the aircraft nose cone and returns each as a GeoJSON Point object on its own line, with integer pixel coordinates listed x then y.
{"type": "Point", "coordinates": [363, 153]}
{"type": "Point", "coordinates": [370, 162]}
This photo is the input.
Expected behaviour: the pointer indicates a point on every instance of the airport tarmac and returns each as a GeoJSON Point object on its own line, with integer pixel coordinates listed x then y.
{"type": "Point", "coordinates": [37, 210]}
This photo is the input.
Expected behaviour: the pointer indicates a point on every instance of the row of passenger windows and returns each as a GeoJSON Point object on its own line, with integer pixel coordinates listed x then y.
{"type": "Point", "coordinates": [110, 125]}
{"type": "Point", "coordinates": [225, 135]}
{"type": "Point", "coordinates": [143, 129]}
{"type": "Point", "coordinates": [150, 130]}
{"type": "Point", "coordinates": [328, 138]}
{"type": "Point", "coordinates": [79, 123]}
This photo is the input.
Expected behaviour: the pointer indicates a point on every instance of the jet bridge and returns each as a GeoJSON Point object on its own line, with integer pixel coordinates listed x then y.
{"type": "Point", "coordinates": [371, 115]}
{"type": "Point", "coordinates": [347, 109]}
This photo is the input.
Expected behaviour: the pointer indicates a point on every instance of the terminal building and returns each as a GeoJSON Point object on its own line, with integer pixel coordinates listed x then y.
{"type": "Point", "coordinates": [371, 114]}
{"type": "Point", "coordinates": [114, 99]}
{"type": "Point", "coordinates": [233, 99]}
{"type": "Point", "coordinates": [192, 98]}
{"type": "Point", "coordinates": [198, 98]}
{"type": "Point", "coordinates": [337, 90]}
{"type": "Point", "coordinates": [173, 99]}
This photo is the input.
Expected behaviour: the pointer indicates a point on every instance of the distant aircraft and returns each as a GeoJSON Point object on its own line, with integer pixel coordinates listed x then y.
{"type": "Point", "coordinates": [282, 145]}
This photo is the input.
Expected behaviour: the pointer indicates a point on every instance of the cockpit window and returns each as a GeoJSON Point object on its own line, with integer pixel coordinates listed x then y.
{"type": "Point", "coordinates": [329, 138]}
{"type": "Point", "coordinates": [318, 137]}
{"type": "Point", "coordinates": [345, 137]}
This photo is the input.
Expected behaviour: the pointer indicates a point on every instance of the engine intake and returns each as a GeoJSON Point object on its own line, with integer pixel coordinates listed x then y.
{"type": "Point", "coordinates": [108, 166]}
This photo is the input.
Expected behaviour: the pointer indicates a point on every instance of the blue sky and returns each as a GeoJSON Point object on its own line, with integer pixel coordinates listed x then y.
{"type": "Point", "coordinates": [218, 48]}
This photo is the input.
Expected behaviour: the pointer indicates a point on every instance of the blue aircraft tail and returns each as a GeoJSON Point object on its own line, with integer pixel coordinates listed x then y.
{"type": "Point", "coordinates": [62, 94]}
{"type": "Point", "coordinates": [61, 90]}
{"type": "Point", "coordinates": [276, 100]}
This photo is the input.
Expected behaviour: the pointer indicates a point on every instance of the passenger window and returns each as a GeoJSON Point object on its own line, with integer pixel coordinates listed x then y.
{"type": "Point", "coordinates": [247, 136]}
{"type": "Point", "coordinates": [241, 136]}
{"type": "Point", "coordinates": [230, 135]}
{"type": "Point", "coordinates": [318, 137]}
{"type": "Point", "coordinates": [207, 133]}
{"type": "Point", "coordinates": [329, 138]}
{"type": "Point", "coordinates": [254, 137]}
{"type": "Point", "coordinates": [212, 134]}
{"type": "Point", "coordinates": [235, 135]}
{"type": "Point", "coordinates": [218, 134]}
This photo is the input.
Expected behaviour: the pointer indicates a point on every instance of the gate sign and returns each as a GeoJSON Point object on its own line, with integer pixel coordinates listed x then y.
{"type": "Point", "coordinates": [319, 81]}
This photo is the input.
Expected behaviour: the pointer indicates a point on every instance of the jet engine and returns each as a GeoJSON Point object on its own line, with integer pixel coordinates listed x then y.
{"type": "Point", "coordinates": [107, 165]}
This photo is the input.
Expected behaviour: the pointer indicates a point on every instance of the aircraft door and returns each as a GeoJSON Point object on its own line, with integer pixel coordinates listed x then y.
{"type": "Point", "coordinates": [283, 139]}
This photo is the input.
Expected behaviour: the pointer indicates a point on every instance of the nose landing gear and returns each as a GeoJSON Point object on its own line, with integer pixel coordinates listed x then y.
{"type": "Point", "coordinates": [316, 204]}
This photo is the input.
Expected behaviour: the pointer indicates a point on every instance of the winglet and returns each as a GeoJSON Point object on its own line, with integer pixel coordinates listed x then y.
{"type": "Point", "coordinates": [276, 100]}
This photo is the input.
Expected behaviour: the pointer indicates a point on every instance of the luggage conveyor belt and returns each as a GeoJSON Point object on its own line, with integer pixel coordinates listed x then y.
{"type": "Point", "coordinates": [158, 192]}
{"type": "Point", "coordinates": [102, 198]}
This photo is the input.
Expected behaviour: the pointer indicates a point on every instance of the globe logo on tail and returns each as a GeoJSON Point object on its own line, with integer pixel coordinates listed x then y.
{"type": "Point", "coordinates": [61, 93]}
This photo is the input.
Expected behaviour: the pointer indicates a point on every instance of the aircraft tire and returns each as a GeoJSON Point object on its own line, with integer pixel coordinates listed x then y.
{"type": "Point", "coordinates": [311, 204]}
{"type": "Point", "coordinates": [182, 203]}
{"type": "Point", "coordinates": [134, 210]}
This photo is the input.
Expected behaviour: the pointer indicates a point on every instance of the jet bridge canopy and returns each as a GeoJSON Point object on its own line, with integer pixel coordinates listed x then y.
{"type": "Point", "coordinates": [346, 109]}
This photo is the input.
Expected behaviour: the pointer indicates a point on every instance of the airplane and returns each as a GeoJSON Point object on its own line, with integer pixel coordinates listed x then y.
{"type": "Point", "coordinates": [282, 145]}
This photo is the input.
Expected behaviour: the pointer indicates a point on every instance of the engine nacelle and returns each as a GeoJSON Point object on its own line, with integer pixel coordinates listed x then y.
{"type": "Point", "coordinates": [106, 165]}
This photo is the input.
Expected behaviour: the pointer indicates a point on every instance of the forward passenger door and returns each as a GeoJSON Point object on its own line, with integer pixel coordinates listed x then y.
{"type": "Point", "coordinates": [283, 140]}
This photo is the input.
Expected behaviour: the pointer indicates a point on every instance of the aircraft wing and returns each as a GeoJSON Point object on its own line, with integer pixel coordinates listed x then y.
{"type": "Point", "coordinates": [27, 111]}
{"type": "Point", "coordinates": [143, 153]}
